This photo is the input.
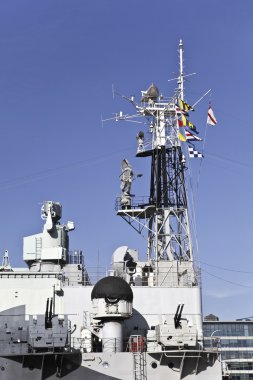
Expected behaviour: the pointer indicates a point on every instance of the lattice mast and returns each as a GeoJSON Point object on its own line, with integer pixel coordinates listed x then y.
{"type": "Point", "coordinates": [165, 215]}
{"type": "Point", "coordinates": [167, 188]}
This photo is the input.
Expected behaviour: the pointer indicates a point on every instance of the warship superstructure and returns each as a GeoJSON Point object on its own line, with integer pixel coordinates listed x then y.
{"type": "Point", "coordinates": [143, 321]}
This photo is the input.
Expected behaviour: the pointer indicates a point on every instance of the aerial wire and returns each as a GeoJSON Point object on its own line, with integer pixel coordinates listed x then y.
{"type": "Point", "coordinates": [49, 172]}
{"type": "Point", "coordinates": [193, 216]}
{"type": "Point", "coordinates": [228, 281]}
{"type": "Point", "coordinates": [31, 177]}
{"type": "Point", "coordinates": [203, 149]}
{"type": "Point", "coordinates": [227, 269]}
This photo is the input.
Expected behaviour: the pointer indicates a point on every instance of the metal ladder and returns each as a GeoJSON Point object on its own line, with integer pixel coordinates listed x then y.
{"type": "Point", "coordinates": [38, 247]}
{"type": "Point", "coordinates": [89, 323]}
{"type": "Point", "coordinates": [86, 319]}
{"type": "Point", "coordinates": [139, 366]}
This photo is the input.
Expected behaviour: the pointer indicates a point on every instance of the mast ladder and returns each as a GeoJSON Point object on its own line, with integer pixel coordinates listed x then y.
{"type": "Point", "coordinates": [139, 366]}
{"type": "Point", "coordinates": [38, 247]}
{"type": "Point", "coordinates": [86, 319]}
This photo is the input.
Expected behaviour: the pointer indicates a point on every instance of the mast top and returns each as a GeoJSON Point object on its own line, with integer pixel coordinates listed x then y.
{"type": "Point", "coordinates": [181, 71]}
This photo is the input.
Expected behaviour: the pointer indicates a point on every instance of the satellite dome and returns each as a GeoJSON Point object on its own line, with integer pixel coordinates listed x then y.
{"type": "Point", "coordinates": [112, 288]}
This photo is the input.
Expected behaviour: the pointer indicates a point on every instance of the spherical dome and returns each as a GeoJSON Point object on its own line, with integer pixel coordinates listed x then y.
{"type": "Point", "coordinates": [114, 288]}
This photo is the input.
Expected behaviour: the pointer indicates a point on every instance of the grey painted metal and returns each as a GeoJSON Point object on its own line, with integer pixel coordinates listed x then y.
{"type": "Point", "coordinates": [53, 325]}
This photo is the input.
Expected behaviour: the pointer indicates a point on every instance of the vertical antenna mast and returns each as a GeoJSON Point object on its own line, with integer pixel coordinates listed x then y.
{"type": "Point", "coordinates": [181, 72]}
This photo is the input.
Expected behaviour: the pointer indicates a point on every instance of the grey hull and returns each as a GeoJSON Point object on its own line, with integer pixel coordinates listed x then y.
{"type": "Point", "coordinates": [47, 367]}
{"type": "Point", "coordinates": [69, 366]}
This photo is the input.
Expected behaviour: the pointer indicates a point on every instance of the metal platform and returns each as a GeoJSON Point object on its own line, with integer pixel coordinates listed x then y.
{"type": "Point", "coordinates": [145, 153]}
{"type": "Point", "coordinates": [138, 212]}
{"type": "Point", "coordinates": [150, 152]}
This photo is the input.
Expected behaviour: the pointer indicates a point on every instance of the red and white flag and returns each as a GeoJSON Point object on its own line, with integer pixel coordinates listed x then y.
{"type": "Point", "coordinates": [211, 119]}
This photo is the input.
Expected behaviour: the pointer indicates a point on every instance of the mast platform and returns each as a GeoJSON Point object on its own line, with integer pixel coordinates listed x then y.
{"type": "Point", "coordinates": [138, 212]}
{"type": "Point", "coordinates": [145, 153]}
{"type": "Point", "coordinates": [150, 152]}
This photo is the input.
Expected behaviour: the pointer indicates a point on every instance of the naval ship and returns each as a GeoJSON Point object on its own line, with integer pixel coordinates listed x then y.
{"type": "Point", "coordinates": [143, 320]}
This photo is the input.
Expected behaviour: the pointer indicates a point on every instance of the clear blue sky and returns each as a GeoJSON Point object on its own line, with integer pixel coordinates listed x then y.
{"type": "Point", "coordinates": [58, 61]}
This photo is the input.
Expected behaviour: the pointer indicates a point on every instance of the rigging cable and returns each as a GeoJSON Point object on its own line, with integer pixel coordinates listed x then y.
{"type": "Point", "coordinates": [49, 172]}
{"type": "Point", "coordinates": [227, 269]}
{"type": "Point", "coordinates": [228, 281]}
{"type": "Point", "coordinates": [52, 171]}
{"type": "Point", "coordinates": [203, 148]}
{"type": "Point", "coordinates": [197, 186]}
{"type": "Point", "coordinates": [192, 214]}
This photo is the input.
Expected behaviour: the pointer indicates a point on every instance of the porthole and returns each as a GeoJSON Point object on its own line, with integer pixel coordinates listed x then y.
{"type": "Point", "coordinates": [154, 365]}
